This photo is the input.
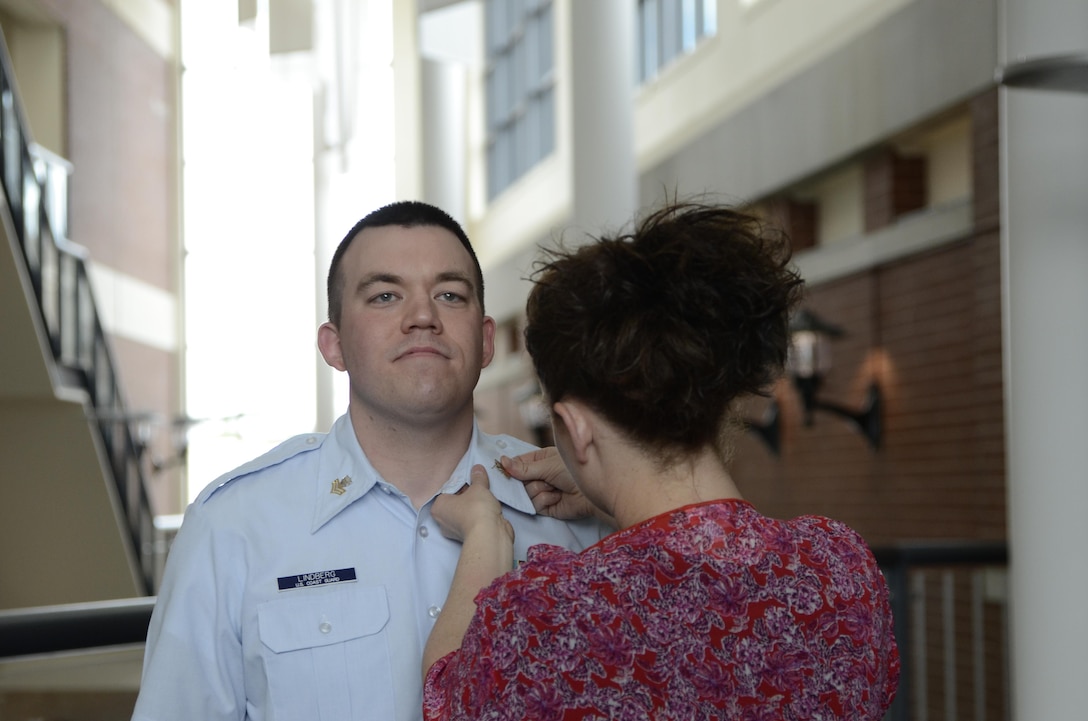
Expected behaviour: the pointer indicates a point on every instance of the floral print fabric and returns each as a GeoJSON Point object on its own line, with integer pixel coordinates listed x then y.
{"type": "Point", "coordinates": [712, 611]}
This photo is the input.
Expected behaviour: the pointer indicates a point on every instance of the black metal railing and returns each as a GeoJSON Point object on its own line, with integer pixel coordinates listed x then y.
{"type": "Point", "coordinates": [35, 186]}
{"type": "Point", "coordinates": [951, 624]}
{"type": "Point", "coordinates": [948, 599]}
{"type": "Point", "coordinates": [74, 627]}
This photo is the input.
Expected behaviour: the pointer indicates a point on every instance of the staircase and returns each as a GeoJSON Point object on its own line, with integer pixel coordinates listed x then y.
{"type": "Point", "coordinates": [75, 521]}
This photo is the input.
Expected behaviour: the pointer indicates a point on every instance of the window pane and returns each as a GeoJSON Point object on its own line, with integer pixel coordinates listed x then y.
{"type": "Point", "coordinates": [495, 20]}
{"type": "Point", "coordinates": [689, 25]}
{"type": "Point", "coordinates": [547, 122]}
{"type": "Point", "coordinates": [521, 149]}
{"type": "Point", "coordinates": [532, 52]}
{"type": "Point", "coordinates": [493, 186]}
{"type": "Point", "coordinates": [502, 91]}
{"type": "Point", "coordinates": [520, 58]}
{"type": "Point", "coordinates": [670, 30]}
{"type": "Point", "coordinates": [710, 17]}
{"type": "Point", "coordinates": [492, 105]}
{"type": "Point", "coordinates": [502, 160]}
{"type": "Point", "coordinates": [650, 62]}
{"type": "Point", "coordinates": [547, 61]}
{"type": "Point", "coordinates": [519, 74]}
{"type": "Point", "coordinates": [513, 17]}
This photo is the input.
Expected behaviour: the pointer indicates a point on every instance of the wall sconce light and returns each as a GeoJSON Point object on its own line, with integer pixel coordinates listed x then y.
{"type": "Point", "coordinates": [768, 428]}
{"type": "Point", "coordinates": [1052, 72]}
{"type": "Point", "coordinates": [535, 413]}
{"type": "Point", "coordinates": [808, 363]}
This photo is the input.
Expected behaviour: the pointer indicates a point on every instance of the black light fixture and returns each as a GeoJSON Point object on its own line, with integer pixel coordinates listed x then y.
{"type": "Point", "coordinates": [768, 428]}
{"type": "Point", "coordinates": [1067, 73]}
{"type": "Point", "coordinates": [535, 413]}
{"type": "Point", "coordinates": [808, 363]}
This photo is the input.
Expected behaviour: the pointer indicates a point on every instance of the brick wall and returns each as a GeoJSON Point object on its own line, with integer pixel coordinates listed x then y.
{"type": "Point", "coordinates": [797, 218]}
{"type": "Point", "coordinates": [121, 140]}
{"type": "Point", "coordinates": [894, 185]}
{"type": "Point", "coordinates": [928, 328]}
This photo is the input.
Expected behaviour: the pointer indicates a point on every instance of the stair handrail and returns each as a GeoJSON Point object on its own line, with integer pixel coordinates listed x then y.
{"type": "Point", "coordinates": [35, 184]}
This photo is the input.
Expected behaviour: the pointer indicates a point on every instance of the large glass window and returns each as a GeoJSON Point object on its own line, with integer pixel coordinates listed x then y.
{"type": "Point", "coordinates": [520, 88]}
{"type": "Point", "coordinates": [670, 28]}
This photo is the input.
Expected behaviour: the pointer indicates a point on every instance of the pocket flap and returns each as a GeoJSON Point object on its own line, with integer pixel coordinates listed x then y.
{"type": "Point", "coordinates": [324, 617]}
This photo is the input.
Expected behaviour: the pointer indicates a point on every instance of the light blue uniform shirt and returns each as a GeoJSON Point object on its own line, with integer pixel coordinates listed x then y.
{"type": "Point", "coordinates": [303, 586]}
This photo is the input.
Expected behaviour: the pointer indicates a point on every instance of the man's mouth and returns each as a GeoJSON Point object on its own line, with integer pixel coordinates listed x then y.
{"type": "Point", "coordinates": [422, 352]}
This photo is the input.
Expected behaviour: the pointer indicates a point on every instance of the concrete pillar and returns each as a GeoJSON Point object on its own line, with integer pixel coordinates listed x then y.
{"type": "Point", "coordinates": [407, 80]}
{"type": "Point", "coordinates": [604, 174]}
{"type": "Point", "coordinates": [445, 136]}
{"type": "Point", "coordinates": [1044, 178]}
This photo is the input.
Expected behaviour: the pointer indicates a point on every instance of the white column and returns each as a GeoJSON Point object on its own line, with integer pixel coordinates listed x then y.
{"type": "Point", "coordinates": [407, 99]}
{"type": "Point", "coordinates": [1044, 178]}
{"type": "Point", "coordinates": [604, 174]}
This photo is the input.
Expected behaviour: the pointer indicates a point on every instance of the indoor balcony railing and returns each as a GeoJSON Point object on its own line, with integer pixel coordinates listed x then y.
{"type": "Point", "coordinates": [35, 184]}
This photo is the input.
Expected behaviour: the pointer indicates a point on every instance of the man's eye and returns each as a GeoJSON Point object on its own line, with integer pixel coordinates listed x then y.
{"type": "Point", "coordinates": [450, 297]}
{"type": "Point", "coordinates": [383, 298]}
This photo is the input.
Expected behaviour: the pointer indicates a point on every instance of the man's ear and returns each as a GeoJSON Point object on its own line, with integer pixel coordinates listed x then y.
{"type": "Point", "coordinates": [578, 423]}
{"type": "Point", "coordinates": [489, 341]}
{"type": "Point", "coordinates": [328, 342]}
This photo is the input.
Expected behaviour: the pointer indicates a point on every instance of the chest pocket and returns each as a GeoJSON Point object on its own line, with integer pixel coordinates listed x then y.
{"type": "Point", "coordinates": [326, 654]}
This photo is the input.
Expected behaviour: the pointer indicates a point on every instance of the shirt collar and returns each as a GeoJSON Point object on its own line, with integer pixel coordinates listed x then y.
{"type": "Point", "coordinates": [486, 450]}
{"type": "Point", "coordinates": [345, 474]}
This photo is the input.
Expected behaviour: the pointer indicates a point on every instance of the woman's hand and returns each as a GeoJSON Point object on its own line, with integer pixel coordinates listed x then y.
{"type": "Point", "coordinates": [474, 517]}
{"type": "Point", "coordinates": [473, 509]}
{"type": "Point", "coordinates": [550, 486]}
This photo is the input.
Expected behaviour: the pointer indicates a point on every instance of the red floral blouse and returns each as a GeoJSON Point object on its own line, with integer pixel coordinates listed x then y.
{"type": "Point", "coordinates": [711, 611]}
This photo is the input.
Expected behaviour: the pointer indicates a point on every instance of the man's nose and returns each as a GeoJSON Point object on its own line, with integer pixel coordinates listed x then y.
{"type": "Point", "coordinates": [421, 312]}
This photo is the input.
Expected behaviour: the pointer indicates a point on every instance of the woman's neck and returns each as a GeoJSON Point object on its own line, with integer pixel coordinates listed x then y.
{"type": "Point", "coordinates": [637, 487]}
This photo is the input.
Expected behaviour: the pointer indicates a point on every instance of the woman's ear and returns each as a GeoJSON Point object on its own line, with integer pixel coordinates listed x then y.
{"type": "Point", "coordinates": [578, 424]}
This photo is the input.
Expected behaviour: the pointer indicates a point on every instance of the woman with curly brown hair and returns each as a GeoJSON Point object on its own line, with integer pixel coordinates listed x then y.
{"type": "Point", "coordinates": [697, 606]}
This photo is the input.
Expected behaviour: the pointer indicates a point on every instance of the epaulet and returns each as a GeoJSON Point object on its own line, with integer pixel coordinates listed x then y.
{"type": "Point", "coordinates": [288, 449]}
{"type": "Point", "coordinates": [504, 445]}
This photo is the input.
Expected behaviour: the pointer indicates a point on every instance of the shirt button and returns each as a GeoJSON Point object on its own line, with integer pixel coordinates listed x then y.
{"type": "Point", "coordinates": [311, 440]}
{"type": "Point", "coordinates": [501, 444]}
{"type": "Point", "coordinates": [324, 627]}
{"type": "Point", "coordinates": [433, 611]}
{"type": "Point", "coordinates": [423, 531]}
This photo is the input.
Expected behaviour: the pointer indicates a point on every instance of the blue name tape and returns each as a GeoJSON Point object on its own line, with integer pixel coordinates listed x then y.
{"type": "Point", "coordinates": [317, 578]}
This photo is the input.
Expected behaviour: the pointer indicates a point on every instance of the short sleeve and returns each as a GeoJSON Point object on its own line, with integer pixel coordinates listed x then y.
{"type": "Point", "coordinates": [191, 642]}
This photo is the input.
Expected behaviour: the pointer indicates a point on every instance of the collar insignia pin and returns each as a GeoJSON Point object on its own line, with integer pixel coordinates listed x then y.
{"type": "Point", "coordinates": [498, 467]}
{"type": "Point", "coordinates": [340, 485]}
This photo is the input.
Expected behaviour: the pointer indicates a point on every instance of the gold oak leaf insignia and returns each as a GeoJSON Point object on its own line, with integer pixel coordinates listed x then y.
{"type": "Point", "coordinates": [498, 467]}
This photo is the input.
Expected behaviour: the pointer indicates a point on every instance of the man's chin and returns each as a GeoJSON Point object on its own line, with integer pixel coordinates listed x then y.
{"type": "Point", "coordinates": [437, 405]}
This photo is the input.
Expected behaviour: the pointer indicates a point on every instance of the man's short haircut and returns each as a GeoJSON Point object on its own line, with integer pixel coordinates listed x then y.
{"type": "Point", "coordinates": [406, 214]}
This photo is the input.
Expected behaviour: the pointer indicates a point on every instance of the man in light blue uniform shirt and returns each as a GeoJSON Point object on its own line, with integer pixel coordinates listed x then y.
{"type": "Point", "coordinates": [304, 584]}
